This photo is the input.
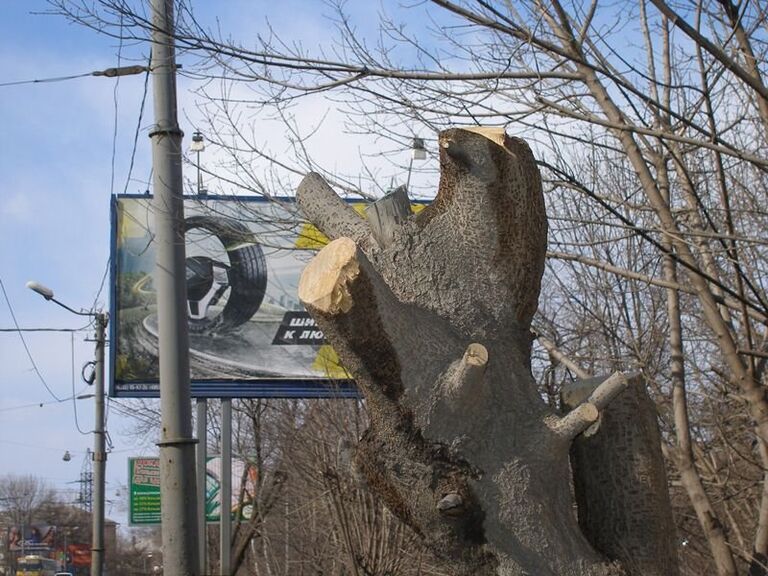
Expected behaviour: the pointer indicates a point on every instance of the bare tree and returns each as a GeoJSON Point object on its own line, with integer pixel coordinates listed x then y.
{"type": "Point", "coordinates": [649, 122]}
{"type": "Point", "coordinates": [433, 322]}
{"type": "Point", "coordinates": [22, 497]}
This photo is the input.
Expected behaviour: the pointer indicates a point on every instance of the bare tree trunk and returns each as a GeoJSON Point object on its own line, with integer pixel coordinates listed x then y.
{"type": "Point", "coordinates": [620, 482]}
{"type": "Point", "coordinates": [435, 329]}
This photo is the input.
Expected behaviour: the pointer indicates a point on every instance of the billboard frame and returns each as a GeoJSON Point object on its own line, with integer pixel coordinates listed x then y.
{"type": "Point", "coordinates": [295, 388]}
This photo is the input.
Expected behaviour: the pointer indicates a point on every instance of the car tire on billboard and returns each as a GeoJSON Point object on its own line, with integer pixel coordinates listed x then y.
{"type": "Point", "coordinates": [208, 279]}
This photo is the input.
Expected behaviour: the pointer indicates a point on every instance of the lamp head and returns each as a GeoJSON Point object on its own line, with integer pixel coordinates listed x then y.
{"type": "Point", "coordinates": [418, 150]}
{"type": "Point", "coordinates": [198, 144]}
{"type": "Point", "coordinates": [44, 291]}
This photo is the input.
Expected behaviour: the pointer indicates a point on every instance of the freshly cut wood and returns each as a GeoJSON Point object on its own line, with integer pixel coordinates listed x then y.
{"type": "Point", "coordinates": [324, 281]}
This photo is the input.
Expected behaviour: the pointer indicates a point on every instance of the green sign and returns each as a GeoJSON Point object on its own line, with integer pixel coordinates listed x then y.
{"type": "Point", "coordinates": [144, 499]}
{"type": "Point", "coordinates": [144, 483]}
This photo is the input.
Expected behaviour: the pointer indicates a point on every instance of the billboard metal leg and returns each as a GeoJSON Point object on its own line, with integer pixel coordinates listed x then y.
{"type": "Point", "coordinates": [226, 487]}
{"type": "Point", "coordinates": [202, 460]}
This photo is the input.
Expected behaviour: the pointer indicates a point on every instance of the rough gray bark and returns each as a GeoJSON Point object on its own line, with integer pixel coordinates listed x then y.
{"type": "Point", "coordinates": [435, 328]}
{"type": "Point", "coordinates": [620, 482]}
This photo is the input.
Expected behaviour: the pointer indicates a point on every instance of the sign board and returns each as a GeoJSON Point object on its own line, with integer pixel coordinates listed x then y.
{"type": "Point", "coordinates": [144, 487]}
{"type": "Point", "coordinates": [31, 538]}
{"type": "Point", "coordinates": [248, 334]}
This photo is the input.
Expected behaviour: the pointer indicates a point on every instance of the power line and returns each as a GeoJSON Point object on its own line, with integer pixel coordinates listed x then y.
{"type": "Point", "coordinates": [101, 285]}
{"type": "Point", "coordinates": [45, 80]}
{"type": "Point", "coordinates": [133, 159]}
{"type": "Point", "coordinates": [138, 129]}
{"type": "Point", "coordinates": [116, 102]}
{"type": "Point", "coordinates": [26, 348]}
{"type": "Point", "coordinates": [25, 406]}
{"type": "Point", "coordinates": [109, 73]}
{"type": "Point", "coordinates": [74, 395]}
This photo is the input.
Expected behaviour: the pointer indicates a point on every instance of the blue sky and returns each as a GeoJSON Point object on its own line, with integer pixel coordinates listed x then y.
{"type": "Point", "coordinates": [57, 170]}
{"type": "Point", "coordinates": [56, 176]}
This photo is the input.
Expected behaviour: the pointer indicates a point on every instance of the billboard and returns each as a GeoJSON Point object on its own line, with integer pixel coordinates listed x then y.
{"type": "Point", "coordinates": [248, 334]}
{"type": "Point", "coordinates": [144, 490]}
{"type": "Point", "coordinates": [31, 538]}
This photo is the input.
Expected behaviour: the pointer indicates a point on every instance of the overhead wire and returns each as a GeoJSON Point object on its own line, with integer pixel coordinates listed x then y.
{"type": "Point", "coordinates": [130, 171]}
{"type": "Point", "coordinates": [116, 105]}
{"type": "Point", "coordinates": [138, 127]}
{"type": "Point", "coordinates": [74, 396]}
{"type": "Point", "coordinates": [117, 72]}
{"type": "Point", "coordinates": [30, 405]}
{"type": "Point", "coordinates": [46, 80]}
{"type": "Point", "coordinates": [108, 73]}
{"type": "Point", "coordinates": [26, 347]}
{"type": "Point", "coordinates": [101, 285]}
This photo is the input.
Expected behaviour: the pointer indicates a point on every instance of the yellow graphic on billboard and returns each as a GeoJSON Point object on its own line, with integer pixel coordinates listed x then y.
{"type": "Point", "coordinates": [327, 361]}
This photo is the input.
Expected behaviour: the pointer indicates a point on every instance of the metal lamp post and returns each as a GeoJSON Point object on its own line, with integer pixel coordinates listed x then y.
{"type": "Point", "coordinates": [99, 450]}
{"type": "Point", "coordinates": [198, 145]}
{"type": "Point", "coordinates": [67, 533]}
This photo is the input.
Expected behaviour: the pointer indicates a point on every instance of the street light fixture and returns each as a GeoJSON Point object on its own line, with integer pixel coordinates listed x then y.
{"type": "Point", "coordinates": [99, 439]}
{"type": "Point", "coordinates": [44, 291]}
{"type": "Point", "coordinates": [68, 530]}
{"type": "Point", "coordinates": [418, 152]}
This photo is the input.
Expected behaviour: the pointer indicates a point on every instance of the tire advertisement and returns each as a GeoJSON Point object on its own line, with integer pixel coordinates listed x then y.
{"type": "Point", "coordinates": [248, 334]}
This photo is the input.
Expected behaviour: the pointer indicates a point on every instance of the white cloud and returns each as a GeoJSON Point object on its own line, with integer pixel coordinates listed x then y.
{"type": "Point", "coordinates": [17, 206]}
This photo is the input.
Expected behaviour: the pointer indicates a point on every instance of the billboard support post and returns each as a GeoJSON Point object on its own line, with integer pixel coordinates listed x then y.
{"type": "Point", "coordinates": [202, 458]}
{"type": "Point", "coordinates": [177, 453]}
{"type": "Point", "coordinates": [225, 511]}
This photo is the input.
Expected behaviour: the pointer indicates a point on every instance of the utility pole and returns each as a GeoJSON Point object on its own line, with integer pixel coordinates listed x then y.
{"type": "Point", "coordinates": [177, 445]}
{"type": "Point", "coordinates": [99, 452]}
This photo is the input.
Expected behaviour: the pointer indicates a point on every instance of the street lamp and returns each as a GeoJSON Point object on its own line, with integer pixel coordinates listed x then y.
{"type": "Point", "coordinates": [68, 530]}
{"type": "Point", "coordinates": [99, 451]}
{"type": "Point", "coordinates": [147, 557]}
{"type": "Point", "coordinates": [198, 145]}
{"type": "Point", "coordinates": [418, 152]}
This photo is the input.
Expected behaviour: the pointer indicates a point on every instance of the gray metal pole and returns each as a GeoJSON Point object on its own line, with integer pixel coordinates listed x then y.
{"type": "Point", "coordinates": [202, 458]}
{"type": "Point", "coordinates": [99, 453]}
{"type": "Point", "coordinates": [225, 525]}
{"type": "Point", "coordinates": [177, 446]}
